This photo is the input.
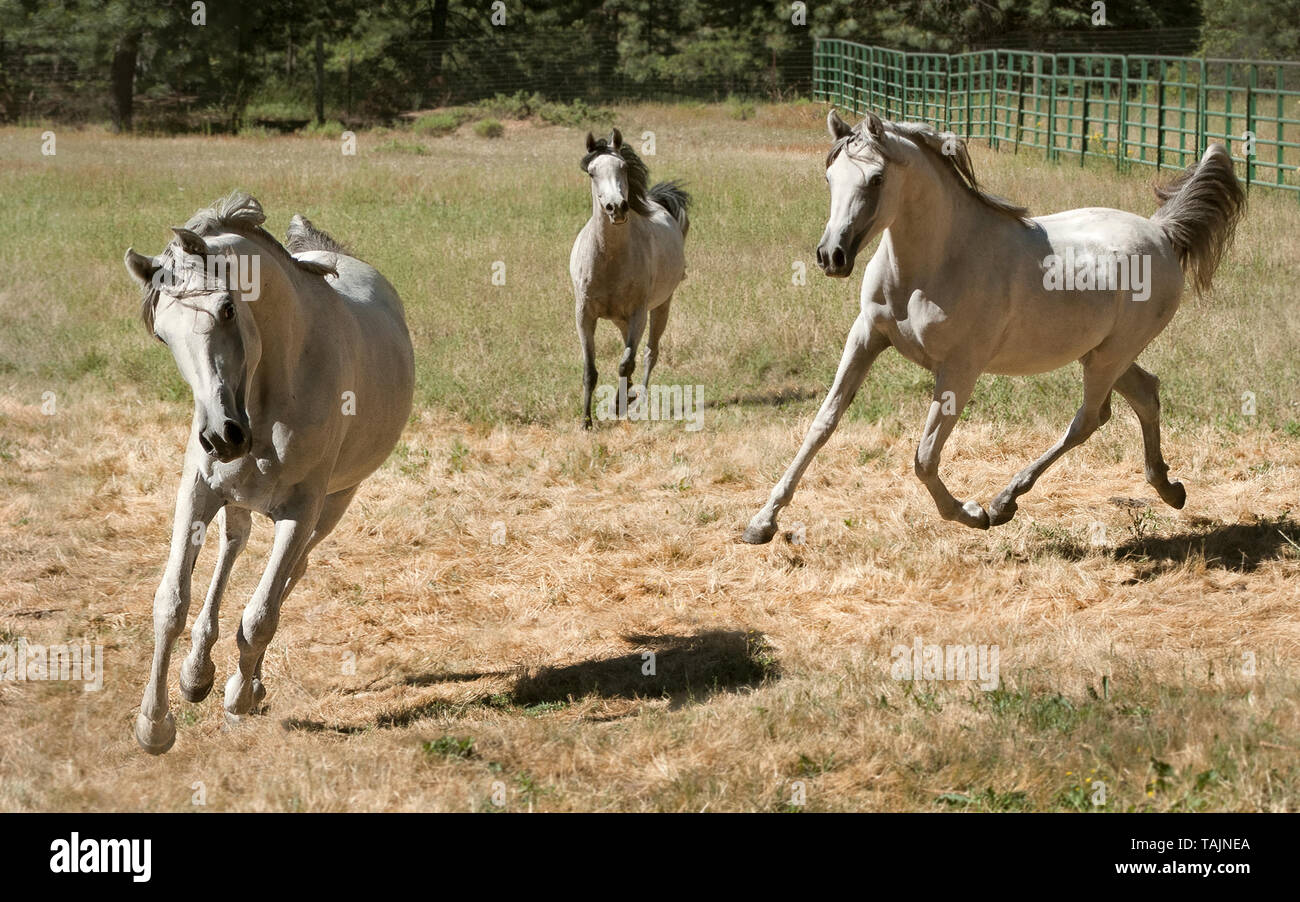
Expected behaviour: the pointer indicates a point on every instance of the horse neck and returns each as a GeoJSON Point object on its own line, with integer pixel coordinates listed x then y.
{"type": "Point", "coordinates": [933, 211]}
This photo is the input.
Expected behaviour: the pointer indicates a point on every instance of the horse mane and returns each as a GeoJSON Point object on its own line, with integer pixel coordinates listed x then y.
{"type": "Point", "coordinates": [638, 174]}
{"type": "Point", "coordinates": [946, 148]}
{"type": "Point", "coordinates": [238, 212]}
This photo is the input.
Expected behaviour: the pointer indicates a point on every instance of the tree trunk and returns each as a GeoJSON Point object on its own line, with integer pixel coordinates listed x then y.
{"type": "Point", "coordinates": [320, 78]}
{"type": "Point", "coordinates": [125, 55]}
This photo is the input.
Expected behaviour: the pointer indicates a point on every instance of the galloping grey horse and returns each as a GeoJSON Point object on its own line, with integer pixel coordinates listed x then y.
{"type": "Point", "coordinates": [628, 258]}
{"type": "Point", "coordinates": [302, 379]}
{"type": "Point", "coordinates": [964, 283]}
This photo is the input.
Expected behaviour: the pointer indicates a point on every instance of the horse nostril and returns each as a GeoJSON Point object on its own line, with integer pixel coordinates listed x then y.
{"type": "Point", "coordinates": [234, 434]}
{"type": "Point", "coordinates": [622, 208]}
{"type": "Point", "coordinates": [609, 208]}
{"type": "Point", "coordinates": [837, 257]}
{"type": "Point", "coordinates": [205, 444]}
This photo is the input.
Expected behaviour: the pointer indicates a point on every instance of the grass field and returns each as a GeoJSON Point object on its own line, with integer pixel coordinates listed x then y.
{"type": "Point", "coordinates": [477, 625]}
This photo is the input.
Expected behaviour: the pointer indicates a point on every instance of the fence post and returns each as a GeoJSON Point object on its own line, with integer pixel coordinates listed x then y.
{"type": "Point", "coordinates": [1083, 134]}
{"type": "Point", "coordinates": [1051, 114]}
{"type": "Point", "coordinates": [1122, 116]}
{"type": "Point", "coordinates": [1202, 115]}
{"type": "Point", "coordinates": [1160, 115]}
{"type": "Point", "coordinates": [1251, 85]}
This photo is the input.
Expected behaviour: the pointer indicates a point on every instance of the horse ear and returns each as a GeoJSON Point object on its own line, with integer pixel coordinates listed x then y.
{"type": "Point", "coordinates": [615, 139]}
{"type": "Point", "coordinates": [837, 127]}
{"type": "Point", "coordinates": [591, 142]}
{"type": "Point", "coordinates": [140, 267]}
{"type": "Point", "coordinates": [875, 127]}
{"type": "Point", "coordinates": [191, 243]}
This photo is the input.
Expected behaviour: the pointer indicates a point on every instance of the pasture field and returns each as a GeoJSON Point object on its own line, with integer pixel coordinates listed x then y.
{"type": "Point", "coordinates": [479, 622]}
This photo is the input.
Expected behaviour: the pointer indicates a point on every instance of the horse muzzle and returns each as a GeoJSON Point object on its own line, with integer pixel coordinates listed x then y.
{"type": "Point", "coordinates": [836, 261]}
{"type": "Point", "coordinates": [230, 441]}
{"type": "Point", "coordinates": [617, 213]}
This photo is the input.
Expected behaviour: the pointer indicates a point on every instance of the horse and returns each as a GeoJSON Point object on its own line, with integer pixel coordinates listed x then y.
{"type": "Point", "coordinates": [302, 377]}
{"type": "Point", "coordinates": [965, 283]}
{"type": "Point", "coordinates": [628, 259]}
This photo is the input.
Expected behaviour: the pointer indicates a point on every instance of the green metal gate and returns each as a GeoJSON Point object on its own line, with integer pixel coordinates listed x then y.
{"type": "Point", "coordinates": [1156, 111]}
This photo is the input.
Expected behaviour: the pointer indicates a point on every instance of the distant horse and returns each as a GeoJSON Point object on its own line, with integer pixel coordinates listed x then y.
{"type": "Point", "coordinates": [302, 380]}
{"type": "Point", "coordinates": [964, 283]}
{"type": "Point", "coordinates": [628, 259]}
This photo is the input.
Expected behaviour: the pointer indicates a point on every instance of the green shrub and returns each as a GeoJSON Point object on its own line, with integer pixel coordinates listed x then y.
{"type": "Point", "coordinates": [443, 123]}
{"type": "Point", "coordinates": [489, 128]}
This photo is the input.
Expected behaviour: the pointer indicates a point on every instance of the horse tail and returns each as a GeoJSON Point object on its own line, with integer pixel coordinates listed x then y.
{"type": "Point", "coordinates": [303, 236]}
{"type": "Point", "coordinates": [1199, 213]}
{"type": "Point", "coordinates": [675, 200]}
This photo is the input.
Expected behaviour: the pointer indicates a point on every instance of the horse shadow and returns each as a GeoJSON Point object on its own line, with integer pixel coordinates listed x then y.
{"type": "Point", "coordinates": [775, 398]}
{"type": "Point", "coordinates": [682, 669]}
{"type": "Point", "coordinates": [1236, 547]}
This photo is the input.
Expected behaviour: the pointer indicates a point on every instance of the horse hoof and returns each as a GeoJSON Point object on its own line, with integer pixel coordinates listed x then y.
{"type": "Point", "coordinates": [238, 699]}
{"type": "Point", "coordinates": [155, 737]}
{"type": "Point", "coordinates": [259, 693]}
{"type": "Point", "coordinates": [193, 690]}
{"type": "Point", "coordinates": [758, 533]}
{"type": "Point", "coordinates": [196, 694]}
{"type": "Point", "coordinates": [1002, 511]}
{"type": "Point", "coordinates": [975, 516]}
{"type": "Point", "coordinates": [234, 721]}
{"type": "Point", "coordinates": [1174, 495]}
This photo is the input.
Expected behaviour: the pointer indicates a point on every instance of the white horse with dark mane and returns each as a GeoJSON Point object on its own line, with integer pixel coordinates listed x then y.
{"type": "Point", "coordinates": [302, 381]}
{"type": "Point", "coordinates": [628, 259]}
{"type": "Point", "coordinates": [964, 283]}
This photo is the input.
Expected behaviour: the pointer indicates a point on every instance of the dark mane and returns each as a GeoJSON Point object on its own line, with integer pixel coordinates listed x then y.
{"type": "Point", "coordinates": [638, 174]}
{"type": "Point", "coordinates": [946, 148]}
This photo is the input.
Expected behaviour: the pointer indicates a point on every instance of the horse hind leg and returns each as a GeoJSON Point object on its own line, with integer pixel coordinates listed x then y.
{"type": "Point", "coordinates": [198, 671]}
{"type": "Point", "coordinates": [331, 513]}
{"type": "Point", "coordinates": [658, 322]}
{"type": "Point", "coordinates": [1098, 379]}
{"type": "Point", "coordinates": [1142, 391]}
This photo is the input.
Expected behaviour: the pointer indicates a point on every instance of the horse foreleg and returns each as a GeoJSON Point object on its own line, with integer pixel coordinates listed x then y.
{"type": "Point", "coordinates": [1098, 379]}
{"type": "Point", "coordinates": [197, 671]}
{"type": "Point", "coordinates": [1142, 391]}
{"type": "Point", "coordinates": [294, 527]}
{"type": "Point", "coordinates": [952, 389]}
{"type": "Point", "coordinates": [860, 351]}
{"type": "Point", "coordinates": [196, 505]}
{"type": "Point", "coordinates": [587, 338]}
{"type": "Point", "coordinates": [658, 322]}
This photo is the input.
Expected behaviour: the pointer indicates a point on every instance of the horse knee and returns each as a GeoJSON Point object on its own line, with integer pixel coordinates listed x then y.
{"type": "Point", "coordinates": [169, 609]}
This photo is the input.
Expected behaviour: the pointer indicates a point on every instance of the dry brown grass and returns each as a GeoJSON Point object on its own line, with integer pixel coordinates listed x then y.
{"type": "Point", "coordinates": [773, 663]}
{"type": "Point", "coordinates": [520, 663]}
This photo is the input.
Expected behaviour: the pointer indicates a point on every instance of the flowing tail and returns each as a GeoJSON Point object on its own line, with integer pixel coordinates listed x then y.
{"type": "Point", "coordinates": [1199, 213]}
{"type": "Point", "coordinates": [676, 201]}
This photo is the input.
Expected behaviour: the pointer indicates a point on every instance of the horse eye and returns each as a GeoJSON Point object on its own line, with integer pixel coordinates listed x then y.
{"type": "Point", "coordinates": [876, 180]}
{"type": "Point", "coordinates": [227, 312]}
